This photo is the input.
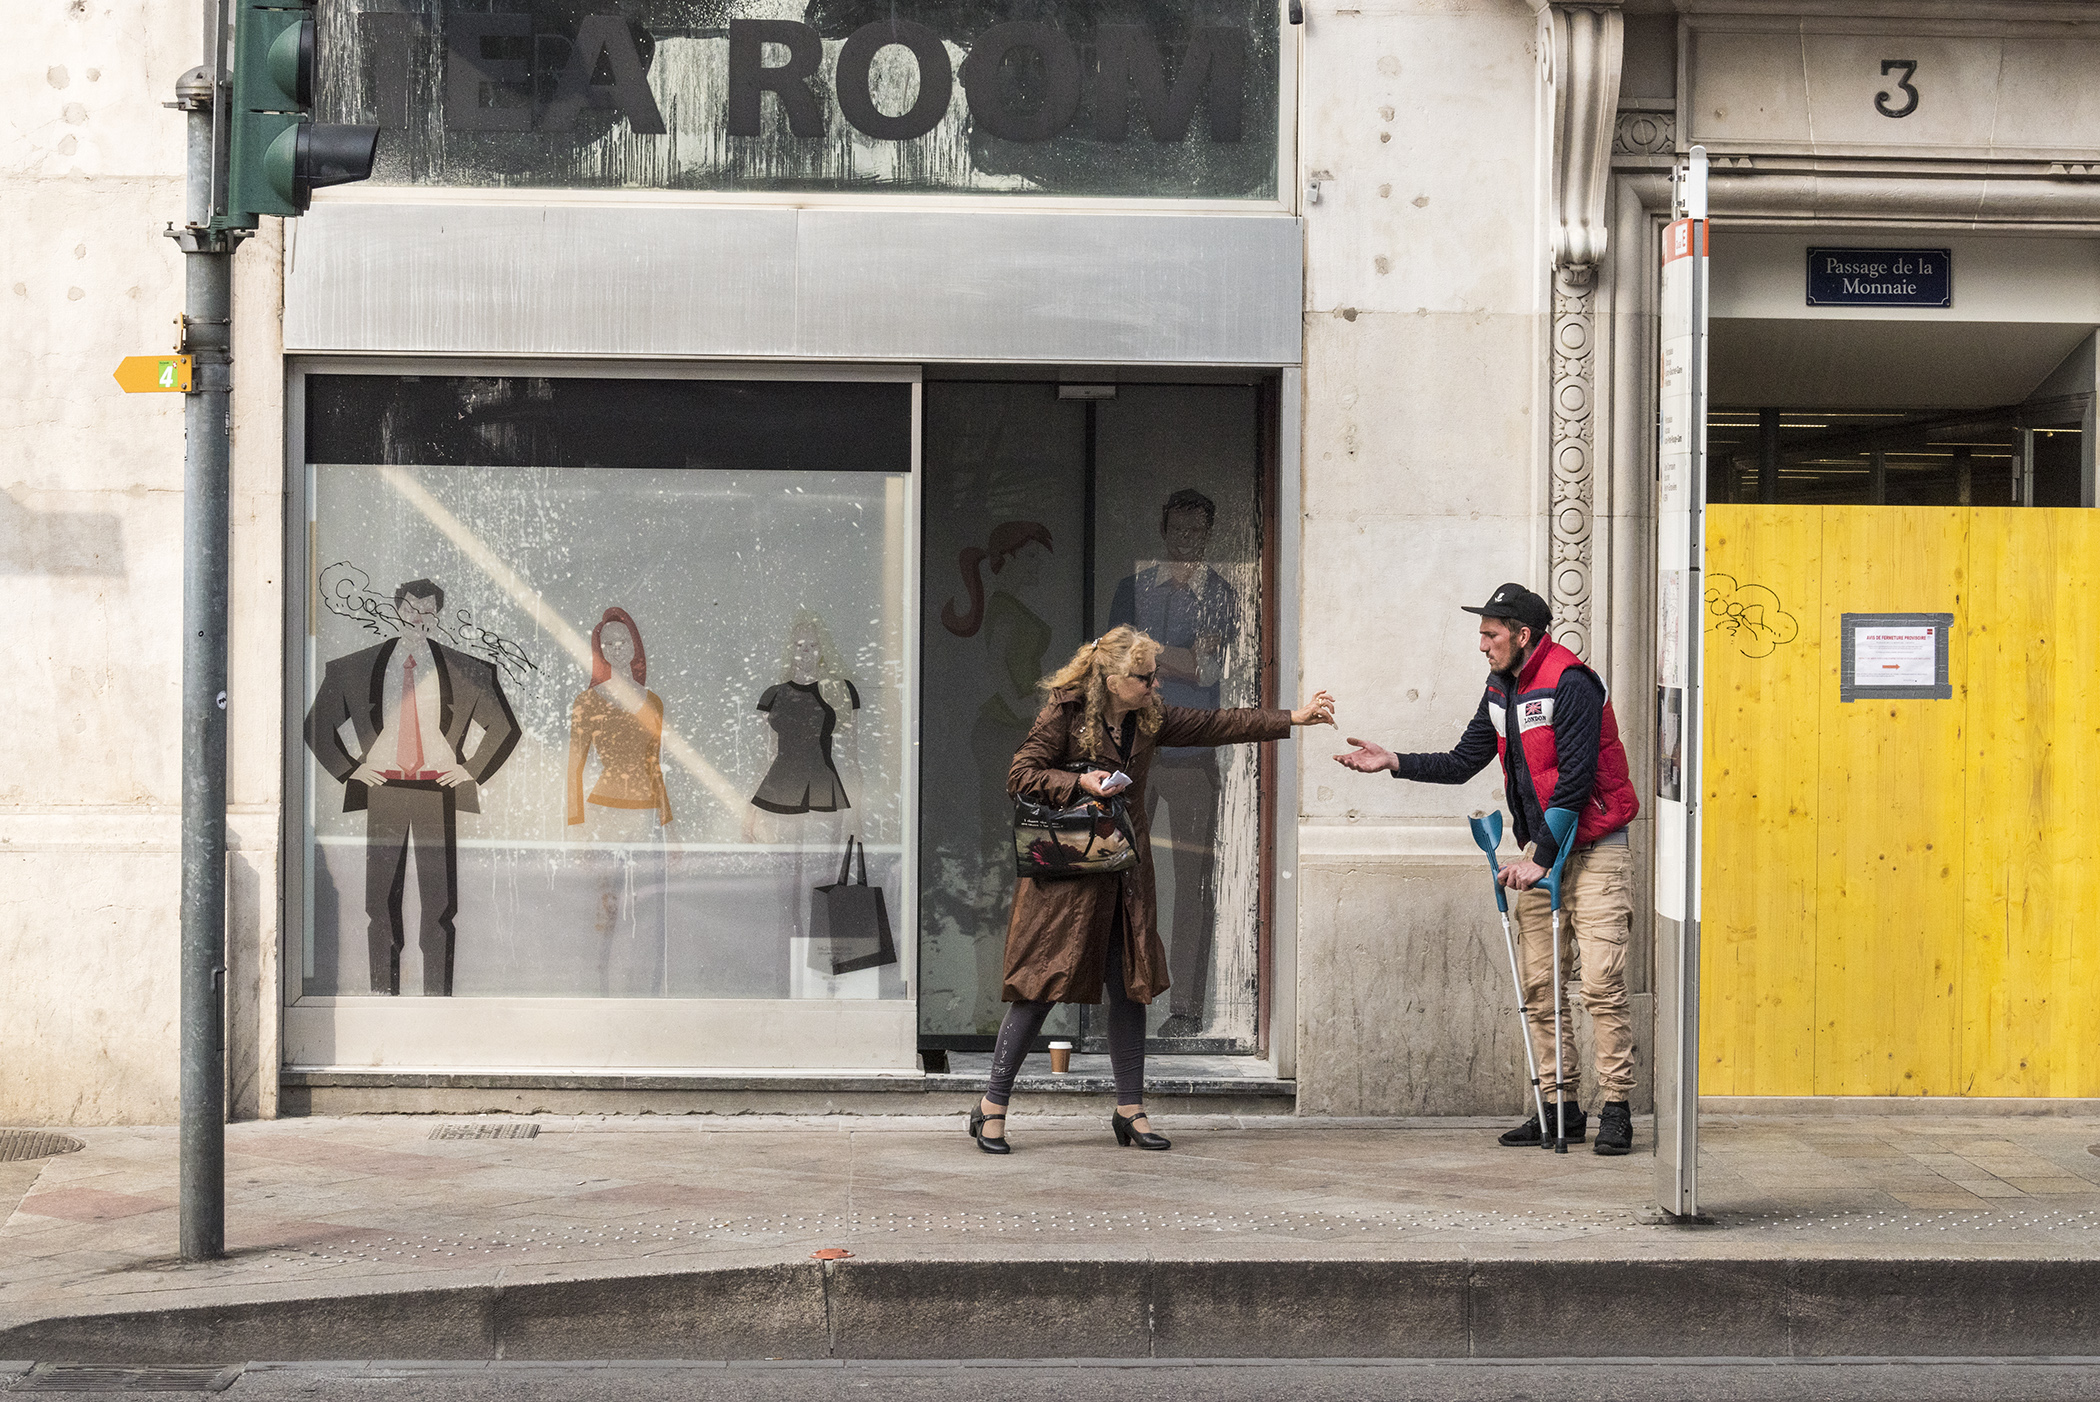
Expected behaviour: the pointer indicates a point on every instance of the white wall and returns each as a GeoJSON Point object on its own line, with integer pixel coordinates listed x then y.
{"type": "Point", "coordinates": [1422, 493]}
{"type": "Point", "coordinates": [90, 565]}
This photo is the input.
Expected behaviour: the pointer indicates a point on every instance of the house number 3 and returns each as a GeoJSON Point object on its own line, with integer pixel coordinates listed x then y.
{"type": "Point", "coordinates": [1908, 67]}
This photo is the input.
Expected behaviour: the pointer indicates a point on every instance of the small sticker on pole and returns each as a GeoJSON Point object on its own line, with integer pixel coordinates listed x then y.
{"type": "Point", "coordinates": [155, 374]}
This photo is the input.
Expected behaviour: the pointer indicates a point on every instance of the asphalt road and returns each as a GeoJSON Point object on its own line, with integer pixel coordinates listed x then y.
{"type": "Point", "coordinates": [1698, 1380]}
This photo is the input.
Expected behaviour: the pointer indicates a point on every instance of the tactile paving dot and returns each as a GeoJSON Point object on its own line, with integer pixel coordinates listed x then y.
{"type": "Point", "coordinates": [1997, 1222]}
{"type": "Point", "coordinates": [668, 1237]}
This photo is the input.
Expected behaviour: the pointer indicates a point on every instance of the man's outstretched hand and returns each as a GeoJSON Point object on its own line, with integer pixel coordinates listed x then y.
{"type": "Point", "coordinates": [1368, 758]}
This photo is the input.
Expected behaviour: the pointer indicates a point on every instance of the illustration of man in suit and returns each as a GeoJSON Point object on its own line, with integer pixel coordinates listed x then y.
{"type": "Point", "coordinates": [1195, 615]}
{"type": "Point", "coordinates": [409, 703]}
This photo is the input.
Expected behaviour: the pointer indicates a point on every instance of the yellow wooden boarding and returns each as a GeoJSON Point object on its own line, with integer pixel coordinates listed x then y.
{"type": "Point", "coordinates": [1901, 895]}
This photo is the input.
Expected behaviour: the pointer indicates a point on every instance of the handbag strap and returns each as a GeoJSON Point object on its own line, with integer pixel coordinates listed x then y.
{"type": "Point", "coordinates": [846, 864]}
{"type": "Point", "coordinates": [863, 863]}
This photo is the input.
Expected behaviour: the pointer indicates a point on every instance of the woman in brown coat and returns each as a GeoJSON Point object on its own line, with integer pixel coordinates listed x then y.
{"type": "Point", "coordinates": [1071, 937]}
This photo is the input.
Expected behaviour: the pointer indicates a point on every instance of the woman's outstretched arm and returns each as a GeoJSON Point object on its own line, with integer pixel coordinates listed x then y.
{"type": "Point", "coordinates": [1241, 726]}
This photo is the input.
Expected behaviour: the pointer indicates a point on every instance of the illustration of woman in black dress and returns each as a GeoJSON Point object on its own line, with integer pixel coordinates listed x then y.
{"type": "Point", "coordinates": [803, 798]}
{"type": "Point", "coordinates": [803, 709]}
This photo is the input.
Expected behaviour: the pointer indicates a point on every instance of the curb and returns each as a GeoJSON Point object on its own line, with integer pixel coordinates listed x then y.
{"type": "Point", "coordinates": [1148, 1309]}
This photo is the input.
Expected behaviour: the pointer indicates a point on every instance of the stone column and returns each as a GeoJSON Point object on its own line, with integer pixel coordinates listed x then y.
{"type": "Point", "coordinates": [1580, 50]}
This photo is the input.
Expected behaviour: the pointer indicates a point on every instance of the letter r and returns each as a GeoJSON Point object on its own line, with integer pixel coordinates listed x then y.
{"type": "Point", "coordinates": [750, 79]}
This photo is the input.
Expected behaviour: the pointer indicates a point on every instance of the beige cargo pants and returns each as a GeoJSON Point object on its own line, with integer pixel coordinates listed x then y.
{"type": "Point", "coordinates": [1596, 921]}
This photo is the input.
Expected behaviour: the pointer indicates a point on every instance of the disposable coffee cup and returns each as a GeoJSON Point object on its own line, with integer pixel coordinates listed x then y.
{"type": "Point", "coordinates": [1060, 1057]}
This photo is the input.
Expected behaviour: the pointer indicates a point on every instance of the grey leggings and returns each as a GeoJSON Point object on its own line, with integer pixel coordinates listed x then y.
{"type": "Point", "coordinates": [1126, 1036]}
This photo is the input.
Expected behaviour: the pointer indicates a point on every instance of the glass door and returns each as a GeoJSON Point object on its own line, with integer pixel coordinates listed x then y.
{"type": "Point", "coordinates": [1049, 518]}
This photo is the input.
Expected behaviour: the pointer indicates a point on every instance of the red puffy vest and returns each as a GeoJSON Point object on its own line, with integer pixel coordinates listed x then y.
{"type": "Point", "coordinates": [1612, 799]}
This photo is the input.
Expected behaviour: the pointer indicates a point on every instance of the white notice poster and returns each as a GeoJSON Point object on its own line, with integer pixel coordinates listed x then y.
{"type": "Point", "coordinates": [1680, 598]}
{"type": "Point", "coordinates": [1894, 656]}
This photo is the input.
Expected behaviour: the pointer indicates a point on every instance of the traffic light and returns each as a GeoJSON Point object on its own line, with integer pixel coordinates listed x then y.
{"type": "Point", "coordinates": [280, 156]}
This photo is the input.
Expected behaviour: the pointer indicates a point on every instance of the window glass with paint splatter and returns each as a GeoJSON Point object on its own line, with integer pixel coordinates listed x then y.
{"type": "Point", "coordinates": [605, 688]}
{"type": "Point", "coordinates": [1175, 100]}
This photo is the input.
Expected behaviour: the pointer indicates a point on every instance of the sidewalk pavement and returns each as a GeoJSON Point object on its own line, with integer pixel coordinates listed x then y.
{"type": "Point", "coordinates": [693, 1237]}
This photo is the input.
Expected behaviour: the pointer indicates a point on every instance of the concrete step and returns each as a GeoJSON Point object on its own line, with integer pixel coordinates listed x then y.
{"type": "Point", "coordinates": [1186, 1085]}
{"type": "Point", "coordinates": [1119, 1308]}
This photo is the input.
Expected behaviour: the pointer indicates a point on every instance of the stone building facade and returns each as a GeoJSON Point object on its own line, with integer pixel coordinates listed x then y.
{"type": "Point", "coordinates": [1385, 293]}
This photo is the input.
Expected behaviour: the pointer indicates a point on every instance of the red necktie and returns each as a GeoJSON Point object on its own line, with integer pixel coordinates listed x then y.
{"type": "Point", "coordinates": [408, 752]}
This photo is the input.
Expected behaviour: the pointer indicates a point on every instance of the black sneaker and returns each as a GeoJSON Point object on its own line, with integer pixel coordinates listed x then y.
{"type": "Point", "coordinates": [1526, 1135]}
{"type": "Point", "coordinates": [1615, 1128]}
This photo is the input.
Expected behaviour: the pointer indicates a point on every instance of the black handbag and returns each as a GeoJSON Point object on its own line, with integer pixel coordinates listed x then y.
{"type": "Point", "coordinates": [1090, 838]}
{"type": "Point", "coordinates": [849, 923]}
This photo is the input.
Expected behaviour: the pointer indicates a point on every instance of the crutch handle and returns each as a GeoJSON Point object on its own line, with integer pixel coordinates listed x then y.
{"type": "Point", "coordinates": [1561, 822]}
{"type": "Point", "coordinates": [1487, 835]}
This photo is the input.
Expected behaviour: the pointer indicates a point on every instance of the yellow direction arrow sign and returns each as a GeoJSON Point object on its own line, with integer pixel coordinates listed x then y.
{"type": "Point", "coordinates": [155, 374]}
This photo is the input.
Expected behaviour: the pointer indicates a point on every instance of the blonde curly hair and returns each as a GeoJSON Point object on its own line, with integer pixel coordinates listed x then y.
{"type": "Point", "coordinates": [1117, 653]}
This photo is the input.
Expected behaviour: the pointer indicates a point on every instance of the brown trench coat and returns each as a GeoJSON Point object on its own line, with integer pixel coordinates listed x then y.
{"type": "Point", "coordinates": [1057, 937]}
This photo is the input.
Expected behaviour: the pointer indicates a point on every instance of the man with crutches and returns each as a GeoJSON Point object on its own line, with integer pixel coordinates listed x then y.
{"type": "Point", "coordinates": [1567, 757]}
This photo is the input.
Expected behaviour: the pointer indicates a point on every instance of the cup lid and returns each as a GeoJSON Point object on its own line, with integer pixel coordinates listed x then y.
{"type": "Point", "coordinates": [1060, 1046]}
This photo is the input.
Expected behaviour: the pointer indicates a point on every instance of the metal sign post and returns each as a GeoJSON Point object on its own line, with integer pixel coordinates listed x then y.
{"type": "Point", "coordinates": [1680, 615]}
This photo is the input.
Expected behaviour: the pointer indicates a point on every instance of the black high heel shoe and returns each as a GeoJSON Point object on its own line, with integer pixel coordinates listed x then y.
{"type": "Point", "coordinates": [978, 1120]}
{"type": "Point", "coordinates": [1127, 1132]}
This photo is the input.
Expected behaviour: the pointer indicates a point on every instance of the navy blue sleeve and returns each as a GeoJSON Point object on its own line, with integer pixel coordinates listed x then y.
{"type": "Point", "coordinates": [1122, 608]}
{"type": "Point", "coordinates": [1578, 724]}
{"type": "Point", "coordinates": [1475, 748]}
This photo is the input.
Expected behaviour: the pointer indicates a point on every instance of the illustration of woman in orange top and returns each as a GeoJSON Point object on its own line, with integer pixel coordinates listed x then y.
{"type": "Point", "coordinates": [628, 808]}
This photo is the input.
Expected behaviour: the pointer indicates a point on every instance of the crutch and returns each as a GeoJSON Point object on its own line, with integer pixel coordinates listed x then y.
{"type": "Point", "coordinates": [1487, 832]}
{"type": "Point", "coordinates": [1561, 823]}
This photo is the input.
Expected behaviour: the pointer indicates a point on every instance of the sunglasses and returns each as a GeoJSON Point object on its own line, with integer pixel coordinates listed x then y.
{"type": "Point", "coordinates": [1145, 677]}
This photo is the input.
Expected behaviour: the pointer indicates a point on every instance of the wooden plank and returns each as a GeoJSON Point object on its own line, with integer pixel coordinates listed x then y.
{"type": "Point", "coordinates": [1891, 816]}
{"type": "Point", "coordinates": [2031, 928]}
{"type": "Point", "coordinates": [1763, 673]}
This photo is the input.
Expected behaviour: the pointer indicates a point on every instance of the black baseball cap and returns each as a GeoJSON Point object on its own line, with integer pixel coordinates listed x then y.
{"type": "Point", "coordinates": [1518, 605]}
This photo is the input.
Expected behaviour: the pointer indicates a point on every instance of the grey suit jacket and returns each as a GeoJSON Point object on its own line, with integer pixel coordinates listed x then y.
{"type": "Point", "coordinates": [469, 693]}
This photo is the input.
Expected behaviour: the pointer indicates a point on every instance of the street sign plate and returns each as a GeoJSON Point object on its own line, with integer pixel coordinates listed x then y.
{"type": "Point", "coordinates": [1880, 277]}
{"type": "Point", "coordinates": [155, 374]}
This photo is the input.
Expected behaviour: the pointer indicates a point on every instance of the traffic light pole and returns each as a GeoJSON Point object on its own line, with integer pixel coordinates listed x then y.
{"type": "Point", "coordinates": [254, 149]}
{"type": "Point", "coordinates": [207, 327]}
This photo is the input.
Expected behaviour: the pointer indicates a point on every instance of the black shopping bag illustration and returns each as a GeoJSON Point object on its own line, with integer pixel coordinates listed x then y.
{"type": "Point", "coordinates": [849, 924]}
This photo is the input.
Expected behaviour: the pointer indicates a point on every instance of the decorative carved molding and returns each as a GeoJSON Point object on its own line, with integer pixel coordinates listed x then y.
{"type": "Point", "coordinates": [1580, 50]}
{"type": "Point", "coordinates": [1574, 453]}
{"type": "Point", "coordinates": [1644, 134]}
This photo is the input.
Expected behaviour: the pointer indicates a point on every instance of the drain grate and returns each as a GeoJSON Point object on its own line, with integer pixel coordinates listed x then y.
{"type": "Point", "coordinates": [511, 1131]}
{"type": "Point", "coordinates": [78, 1377]}
{"type": "Point", "coordinates": [17, 1145]}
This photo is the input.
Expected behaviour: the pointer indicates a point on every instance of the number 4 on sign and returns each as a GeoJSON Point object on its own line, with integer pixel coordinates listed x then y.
{"type": "Point", "coordinates": [155, 374]}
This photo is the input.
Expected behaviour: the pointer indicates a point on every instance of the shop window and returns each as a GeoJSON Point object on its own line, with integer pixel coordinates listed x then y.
{"type": "Point", "coordinates": [661, 632]}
